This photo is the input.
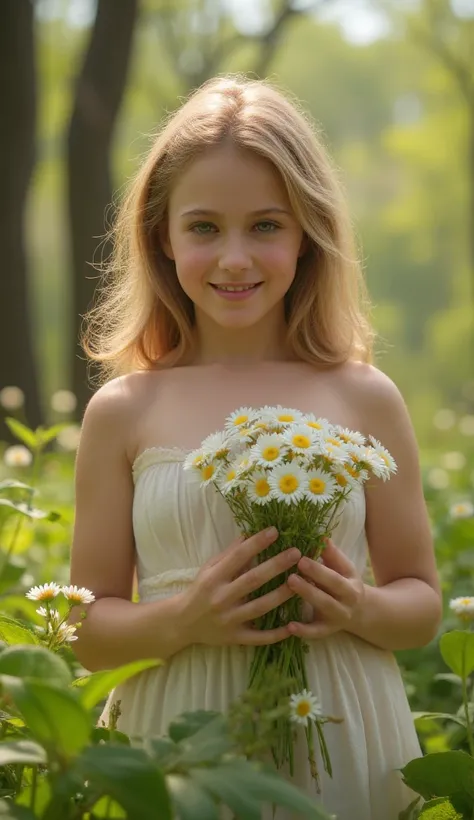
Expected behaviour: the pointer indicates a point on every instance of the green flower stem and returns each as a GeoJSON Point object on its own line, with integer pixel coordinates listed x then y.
{"type": "Point", "coordinates": [34, 781]}
{"type": "Point", "coordinates": [465, 698]}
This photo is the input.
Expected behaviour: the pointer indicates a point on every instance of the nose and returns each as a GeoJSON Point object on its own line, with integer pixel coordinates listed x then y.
{"type": "Point", "coordinates": [234, 255]}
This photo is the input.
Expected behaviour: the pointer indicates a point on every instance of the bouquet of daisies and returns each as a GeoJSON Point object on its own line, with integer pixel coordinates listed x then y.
{"type": "Point", "coordinates": [279, 467]}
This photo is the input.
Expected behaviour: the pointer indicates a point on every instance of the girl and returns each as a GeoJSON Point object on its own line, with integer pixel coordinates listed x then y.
{"type": "Point", "coordinates": [234, 282]}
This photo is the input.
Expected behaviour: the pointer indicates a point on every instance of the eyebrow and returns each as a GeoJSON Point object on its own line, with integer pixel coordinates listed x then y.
{"type": "Point", "coordinates": [206, 212]}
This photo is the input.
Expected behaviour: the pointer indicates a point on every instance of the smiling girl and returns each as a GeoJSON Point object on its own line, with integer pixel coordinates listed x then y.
{"type": "Point", "coordinates": [235, 282]}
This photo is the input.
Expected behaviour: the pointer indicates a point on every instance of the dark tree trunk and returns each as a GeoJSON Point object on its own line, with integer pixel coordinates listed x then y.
{"type": "Point", "coordinates": [99, 92]}
{"type": "Point", "coordinates": [17, 156]}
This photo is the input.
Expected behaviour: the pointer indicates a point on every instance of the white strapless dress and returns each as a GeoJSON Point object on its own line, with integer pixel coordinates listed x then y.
{"type": "Point", "coordinates": [178, 526]}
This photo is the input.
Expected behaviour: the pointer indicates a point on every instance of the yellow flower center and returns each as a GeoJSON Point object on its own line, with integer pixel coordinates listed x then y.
{"type": "Point", "coordinates": [466, 601]}
{"type": "Point", "coordinates": [270, 453]}
{"type": "Point", "coordinates": [240, 420]}
{"type": "Point", "coordinates": [315, 425]}
{"type": "Point", "coordinates": [301, 441]}
{"type": "Point", "coordinates": [207, 472]}
{"type": "Point", "coordinates": [341, 480]}
{"type": "Point", "coordinates": [244, 431]}
{"type": "Point", "coordinates": [230, 475]}
{"type": "Point", "coordinates": [47, 595]}
{"type": "Point", "coordinates": [384, 458]}
{"type": "Point", "coordinates": [344, 437]}
{"type": "Point", "coordinates": [303, 709]}
{"type": "Point", "coordinates": [262, 487]}
{"type": "Point", "coordinates": [351, 470]}
{"type": "Point", "coordinates": [317, 486]}
{"type": "Point", "coordinates": [286, 417]}
{"type": "Point", "coordinates": [75, 597]}
{"type": "Point", "coordinates": [334, 441]}
{"type": "Point", "coordinates": [288, 484]}
{"type": "Point", "coordinates": [198, 461]}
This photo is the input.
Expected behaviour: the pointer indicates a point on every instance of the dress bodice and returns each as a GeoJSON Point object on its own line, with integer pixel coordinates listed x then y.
{"type": "Point", "coordinates": [179, 525]}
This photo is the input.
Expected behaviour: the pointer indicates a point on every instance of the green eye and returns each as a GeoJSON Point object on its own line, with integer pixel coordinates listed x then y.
{"type": "Point", "coordinates": [202, 227]}
{"type": "Point", "coordinates": [266, 227]}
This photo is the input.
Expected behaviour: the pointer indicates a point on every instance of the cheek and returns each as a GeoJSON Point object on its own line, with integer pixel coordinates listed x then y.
{"type": "Point", "coordinates": [281, 259]}
{"type": "Point", "coordinates": [191, 262]}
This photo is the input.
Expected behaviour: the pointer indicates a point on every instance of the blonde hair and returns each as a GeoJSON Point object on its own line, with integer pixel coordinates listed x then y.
{"type": "Point", "coordinates": [143, 318]}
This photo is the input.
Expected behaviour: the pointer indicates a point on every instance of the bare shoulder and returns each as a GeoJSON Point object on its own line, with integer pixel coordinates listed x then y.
{"type": "Point", "coordinates": [379, 402]}
{"type": "Point", "coordinates": [114, 410]}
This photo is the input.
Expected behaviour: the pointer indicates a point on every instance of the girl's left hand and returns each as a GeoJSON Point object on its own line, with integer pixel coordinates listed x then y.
{"type": "Point", "coordinates": [333, 589]}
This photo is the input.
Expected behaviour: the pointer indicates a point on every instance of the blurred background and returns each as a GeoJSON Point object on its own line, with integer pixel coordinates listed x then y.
{"type": "Point", "coordinates": [390, 83]}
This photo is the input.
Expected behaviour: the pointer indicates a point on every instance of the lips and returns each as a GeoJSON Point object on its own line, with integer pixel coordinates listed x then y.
{"type": "Point", "coordinates": [240, 287]}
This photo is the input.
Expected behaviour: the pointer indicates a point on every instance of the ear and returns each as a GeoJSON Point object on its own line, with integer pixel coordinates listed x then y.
{"type": "Point", "coordinates": [304, 245]}
{"type": "Point", "coordinates": [164, 237]}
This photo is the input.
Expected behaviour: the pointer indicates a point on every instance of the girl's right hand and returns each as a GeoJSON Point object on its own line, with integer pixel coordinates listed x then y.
{"type": "Point", "coordinates": [215, 605]}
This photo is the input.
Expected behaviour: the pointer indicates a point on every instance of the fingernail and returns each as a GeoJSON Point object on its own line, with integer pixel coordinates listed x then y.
{"type": "Point", "coordinates": [304, 563]}
{"type": "Point", "coordinates": [271, 532]}
{"type": "Point", "coordinates": [294, 554]}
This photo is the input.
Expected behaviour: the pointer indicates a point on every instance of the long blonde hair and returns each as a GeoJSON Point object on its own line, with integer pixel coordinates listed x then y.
{"type": "Point", "coordinates": [144, 320]}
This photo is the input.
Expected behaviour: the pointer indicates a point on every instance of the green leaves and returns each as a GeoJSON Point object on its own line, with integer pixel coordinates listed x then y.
{"type": "Point", "coordinates": [21, 751]}
{"type": "Point", "coordinates": [34, 662]}
{"type": "Point", "coordinates": [457, 650]}
{"type": "Point", "coordinates": [9, 809]}
{"type": "Point", "coordinates": [93, 688]}
{"type": "Point", "coordinates": [13, 632]}
{"type": "Point", "coordinates": [446, 774]}
{"type": "Point", "coordinates": [55, 717]}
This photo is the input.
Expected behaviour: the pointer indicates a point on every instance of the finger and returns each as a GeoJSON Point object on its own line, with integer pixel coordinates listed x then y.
{"type": "Point", "coordinates": [317, 598]}
{"type": "Point", "coordinates": [312, 631]}
{"type": "Point", "coordinates": [335, 559]}
{"type": "Point", "coordinates": [327, 579]}
{"type": "Point", "coordinates": [242, 551]}
{"type": "Point", "coordinates": [262, 637]}
{"type": "Point", "coordinates": [261, 574]}
{"type": "Point", "coordinates": [260, 606]}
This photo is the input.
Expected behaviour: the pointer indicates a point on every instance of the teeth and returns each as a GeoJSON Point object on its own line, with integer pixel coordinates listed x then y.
{"type": "Point", "coordinates": [237, 288]}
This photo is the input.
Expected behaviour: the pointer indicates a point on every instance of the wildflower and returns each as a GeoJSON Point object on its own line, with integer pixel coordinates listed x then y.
{"type": "Point", "coordinates": [350, 436]}
{"type": "Point", "coordinates": [320, 487]}
{"type": "Point", "coordinates": [258, 488]}
{"type": "Point", "coordinates": [383, 453]}
{"type": "Point", "coordinates": [51, 614]}
{"type": "Point", "coordinates": [12, 398]}
{"type": "Point", "coordinates": [300, 439]}
{"type": "Point", "coordinates": [68, 438]}
{"type": "Point", "coordinates": [463, 608]}
{"type": "Point", "coordinates": [63, 401]}
{"type": "Point", "coordinates": [280, 416]}
{"type": "Point", "coordinates": [216, 445]}
{"type": "Point", "coordinates": [78, 595]}
{"type": "Point", "coordinates": [44, 592]}
{"type": "Point", "coordinates": [194, 460]}
{"type": "Point", "coordinates": [462, 509]}
{"type": "Point", "coordinates": [17, 456]}
{"type": "Point", "coordinates": [269, 449]}
{"type": "Point", "coordinates": [304, 707]}
{"type": "Point", "coordinates": [65, 632]}
{"type": "Point", "coordinates": [288, 483]}
{"type": "Point", "coordinates": [240, 418]}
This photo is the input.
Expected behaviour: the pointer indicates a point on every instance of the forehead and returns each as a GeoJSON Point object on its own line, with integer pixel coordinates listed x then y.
{"type": "Point", "coordinates": [227, 176]}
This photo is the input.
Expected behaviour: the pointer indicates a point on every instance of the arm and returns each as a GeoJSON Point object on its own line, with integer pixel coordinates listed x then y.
{"type": "Point", "coordinates": [115, 631]}
{"type": "Point", "coordinates": [404, 610]}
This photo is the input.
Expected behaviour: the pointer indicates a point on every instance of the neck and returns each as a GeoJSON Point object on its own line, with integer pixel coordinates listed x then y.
{"type": "Point", "coordinates": [241, 346]}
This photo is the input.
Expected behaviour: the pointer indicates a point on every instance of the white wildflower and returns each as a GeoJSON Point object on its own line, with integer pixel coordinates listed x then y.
{"type": "Point", "coordinates": [78, 595]}
{"type": "Point", "coordinates": [12, 398]}
{"type": "Point", "coordinates": [463, 608]}
{"type": "Point", "coordinates": [240, 418]}
{"type": "Point", "coordinates": [320, 486]}
{"type": "Point", "coordinates": [258, 488]}
{"type": "Point", "coordinates": [304, 707]}
{"type": "Point", "coordinates": [65, 632]}
{"type": "Point", "coordinates": [300, 439]}
{"type": "Point", "coordinates": [268, 450]}
{"type": "Point", "coordinates": [194, 460]}
{"type": "Point", "coordinates": [383, 453]}
{"type": "Point", "coordinates": [319, 425]}
{"type": "Point", "coordinates": [63, 401]}
{"type": "Point", "coordinates": [288, 483]}
{"type": "Point", "coordinates": [44, 592]}
{"type": "Point", "coordinates": [51, 614]}
{"type": "Point", "coordinates": [17, 456]}
{"type": "Point", "coordinates": [280, 416]}
{"type": "Point", "coordinates": [215, 445]}
{"type": "Point", "coordinates": [350, 436]}
{"type": "Point", "coordinates": [462, 509]}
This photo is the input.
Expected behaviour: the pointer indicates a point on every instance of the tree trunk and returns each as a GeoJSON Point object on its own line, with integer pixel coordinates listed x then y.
{"type": "Point", "coordinates": [99, 92]}
{"type": "Point", "coordinates": [17, 156]}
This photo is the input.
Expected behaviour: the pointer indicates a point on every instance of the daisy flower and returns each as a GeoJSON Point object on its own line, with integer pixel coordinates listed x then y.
{"type": "Point", "coordinates": [52, 614]}
{"type": "Point", "coordinates": [268, 450]}
{"type": "Point", "coordinates": [320, 487]}
{"type": "Point", "coordinates": [209, 472]}
{"type": "Point", "coordinates": [228, 479]}
{"type": "Point", "coordinates": [216, 445]}
{"type": "Point", "coordinates": [280, 415]}
{"type": "Point", "coordinates": [463, 608]}
{"type": "Point", "coordinates": [350, 436]}
{"type": "Point", "coordinates": [299, 439]}
{"type": "Point", "coordinates": [258, 488]}
{"type": "Point", "coordinates": [242, 463]}
{"type": "Point", "coordinates": [334, 449]}
{"type": "Point", "coordinates": [384, 454]}
{"type": "Point", "coordinates": [375, 462]}
{"type": "Point", "coordinates": [304, 707]}
{"type": "Point", "coordinates": [65, 632]}
{"type": "Point", "coordinates": [17, 456]}
{"type": "Point", "coordinates": [44, 592]}
{"type": "Point", "coordinates": [78, 595]}
{"type": "Point", "coordinates": [288, 483]}
{"type": "Point", "coordinates": [462, 509]}
{"type": "Point", "coordinates": [194, 460]}
{"type": "Point", "coordinates": [319, 425]}
{"type": "Point", "coordinates": [240, 418]}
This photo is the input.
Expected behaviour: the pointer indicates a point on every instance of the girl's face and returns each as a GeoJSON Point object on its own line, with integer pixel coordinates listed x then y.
{"type": "Point", "coordinates": [230, 224]}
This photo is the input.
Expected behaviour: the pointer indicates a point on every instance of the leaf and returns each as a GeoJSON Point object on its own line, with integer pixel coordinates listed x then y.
{"type": "Point", "coordinates": [129, 776]}
{"type": "Point", "coordinates": [97, 686]}
{"type": "Point", "coordinates": [34, 662]}
{"type": "Point", "coordinates": [55, 718]}
{"type": "Point", "coordinates": [108, 808]}
{"type": "Point", "coordinates": [443, 774]}
{"type": "Point", "coordinates": [13, 484]}
{"type": "Point", "coordinates": [21, 751]}
{"type": "Point", "coordinates": [10, 572]}
{"type": "Point", "coordinates": [9, 809]}
{"type": "Point", "coordinates": [13, 632]}
{"type": "Point", "coordinates": [161, 749]}
{"type": "Point", "coordinates": [22, 432]}
{"type": "Point", "coordinates": [190, 800]}
{"type": "Point", "coordinates": [457, 650]}
{"type": "Point", "coordinates": [437, 716]}
{"type": "Point", "coordinates": [30, 512]}
{"type": "Point", "coordinates": [189, 723]}
{"type": "Point", "coordinates": [102, 733]}
{"type": "Point", "coordinates": [439, 809]}
{"type": "Point", "coordinates": [207, 745]}
{"type": "Point", "coordinates": [237, 779]}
